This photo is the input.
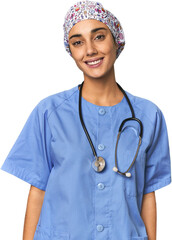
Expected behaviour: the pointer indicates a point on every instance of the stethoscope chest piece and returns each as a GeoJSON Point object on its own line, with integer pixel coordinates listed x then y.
{"type": "Point", "coordinates": [98, 164]}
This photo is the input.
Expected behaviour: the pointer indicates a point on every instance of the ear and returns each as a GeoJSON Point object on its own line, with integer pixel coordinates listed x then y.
{"type": "Point", "coordinates": [115, 44]}
{"type": "Point", "coordinates": [70, 51]}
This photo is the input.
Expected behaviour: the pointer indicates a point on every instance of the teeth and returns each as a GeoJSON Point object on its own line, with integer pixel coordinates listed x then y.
{"type": "Point", "coordinates": [95, 62]}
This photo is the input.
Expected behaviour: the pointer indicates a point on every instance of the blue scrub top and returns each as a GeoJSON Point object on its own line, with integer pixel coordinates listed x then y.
{"type": "Point", "coordinates": [53, 153]}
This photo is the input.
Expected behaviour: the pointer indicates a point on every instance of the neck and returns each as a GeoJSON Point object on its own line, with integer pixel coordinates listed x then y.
{"type": "Point", "coordinates": [101, 92]}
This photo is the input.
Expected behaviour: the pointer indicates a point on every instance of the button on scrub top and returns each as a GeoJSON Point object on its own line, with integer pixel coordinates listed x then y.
{"type": "Point", "coordinates": [53, 154]}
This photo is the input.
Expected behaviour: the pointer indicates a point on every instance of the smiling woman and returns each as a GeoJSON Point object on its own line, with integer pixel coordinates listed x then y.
{"type": "Point", "coordinates": [68, 146]}
{"type": "Point", "coordinates": [92, 46]}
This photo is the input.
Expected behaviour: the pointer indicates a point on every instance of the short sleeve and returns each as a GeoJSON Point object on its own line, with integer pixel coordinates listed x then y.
{"type": "Point", "coordinates": [29, 158]}
{"type": "Point", "coordinates": [158, 163]}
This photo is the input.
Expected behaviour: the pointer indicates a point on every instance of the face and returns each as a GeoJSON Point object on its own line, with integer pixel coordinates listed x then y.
{"type": "Point", "coordinates": [88, 43]}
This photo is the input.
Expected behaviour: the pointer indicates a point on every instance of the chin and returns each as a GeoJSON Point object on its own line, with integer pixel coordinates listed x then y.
{"type": "Point", "coordinates": [94, 76]}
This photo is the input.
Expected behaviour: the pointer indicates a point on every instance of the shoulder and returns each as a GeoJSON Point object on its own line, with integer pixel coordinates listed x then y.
{"type": "Point", "coordinates": [52, 102]}
{"type": "Point", "coordinates": [144, 107]}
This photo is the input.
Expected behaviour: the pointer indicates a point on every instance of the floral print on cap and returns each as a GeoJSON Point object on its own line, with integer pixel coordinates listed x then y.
{"type": "Point", "coordinates": [93, 10]}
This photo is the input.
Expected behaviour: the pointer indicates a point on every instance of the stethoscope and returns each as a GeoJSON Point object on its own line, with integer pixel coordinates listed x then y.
{"type": "Point", "coordinates": [98, 163]}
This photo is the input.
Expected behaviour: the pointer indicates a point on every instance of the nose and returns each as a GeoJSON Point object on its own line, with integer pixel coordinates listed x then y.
{"type": "Point", "coordinates": [90, 48]}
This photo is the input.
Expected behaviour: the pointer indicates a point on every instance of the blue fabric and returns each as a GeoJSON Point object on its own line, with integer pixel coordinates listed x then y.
{"type": "Point", "coordinates": [53, 153]}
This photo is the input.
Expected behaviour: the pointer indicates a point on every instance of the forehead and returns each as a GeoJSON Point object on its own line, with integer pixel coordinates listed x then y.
{"type": "Point", "coordinates": [85, 26]}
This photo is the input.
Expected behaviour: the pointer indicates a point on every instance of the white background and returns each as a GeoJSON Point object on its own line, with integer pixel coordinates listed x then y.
{"type": "Point", "coordinates": [34, 65]}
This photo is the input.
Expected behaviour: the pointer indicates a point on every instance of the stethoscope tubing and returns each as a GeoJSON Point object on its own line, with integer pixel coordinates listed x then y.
{"type": "Point", "coordinates": [126, 173]}
{"type": "Point", "coordinates": [82, 122]}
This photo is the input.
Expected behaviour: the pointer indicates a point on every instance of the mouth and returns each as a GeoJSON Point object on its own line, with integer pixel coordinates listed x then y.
{"type": "Point", "coordinates": [94, 64]}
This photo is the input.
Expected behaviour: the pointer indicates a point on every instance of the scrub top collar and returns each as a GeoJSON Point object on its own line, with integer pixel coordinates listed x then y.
{"type": "Point", "coordinates": [91, 108]}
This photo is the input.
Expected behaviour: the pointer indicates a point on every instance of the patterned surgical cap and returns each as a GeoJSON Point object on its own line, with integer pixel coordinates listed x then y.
{"type": "Point", "coordinates": [93, 10]}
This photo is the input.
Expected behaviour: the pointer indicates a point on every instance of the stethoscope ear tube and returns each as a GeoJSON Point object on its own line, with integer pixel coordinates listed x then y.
{"type": "Point", "coordinates": [126, 173]}
{"type": "Point", "coordinates": [135, 119]}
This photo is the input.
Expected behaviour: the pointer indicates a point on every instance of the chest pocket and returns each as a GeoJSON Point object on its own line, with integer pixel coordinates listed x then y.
{"type": "Point", "coordinates": [44, 233]}
{"type": "Point", "coordinates": [127, 146]}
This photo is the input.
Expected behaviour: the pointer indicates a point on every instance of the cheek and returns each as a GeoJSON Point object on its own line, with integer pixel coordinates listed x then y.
{"type": "Point", "coordinates": [79, 62]}
{"type": "Point", "coordinates": [109, 50]}
{"type": "Point", "coordinates": [78, 55]}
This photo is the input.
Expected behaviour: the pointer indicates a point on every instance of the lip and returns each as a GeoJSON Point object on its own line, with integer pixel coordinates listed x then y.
{"type": "Point", "coordinates": [93, 59]}
{"type": "Point", "coordinates": [95, 65]}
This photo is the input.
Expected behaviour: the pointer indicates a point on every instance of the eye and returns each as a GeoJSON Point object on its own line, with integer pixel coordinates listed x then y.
{"type": "Point", "coordinates": [100, 36]}
{"type": "Point", "coordinates": [76, 43]}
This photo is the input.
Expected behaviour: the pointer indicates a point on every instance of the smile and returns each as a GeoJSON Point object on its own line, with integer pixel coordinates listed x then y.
{"type": "Point", "coordinates": [95, 63]}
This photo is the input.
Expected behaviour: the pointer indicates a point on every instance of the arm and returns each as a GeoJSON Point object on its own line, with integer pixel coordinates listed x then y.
{"type": "Point", "coordinates": [34, 205]}
{"type": "Point", "coordinates": [148, 214]}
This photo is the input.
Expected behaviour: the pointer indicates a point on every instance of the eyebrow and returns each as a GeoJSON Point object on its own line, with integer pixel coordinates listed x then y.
{"type": "Point", "coordinates": [92, 31]}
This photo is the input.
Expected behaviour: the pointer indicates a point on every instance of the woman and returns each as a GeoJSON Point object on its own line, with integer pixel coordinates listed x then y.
{"type": "Point", "coordinates": [97, 152]}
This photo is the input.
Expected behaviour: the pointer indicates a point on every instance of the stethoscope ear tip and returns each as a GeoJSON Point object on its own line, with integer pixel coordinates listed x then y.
{"type": "Point", "coordinates": [115, 169]}
{"type": "Point", "coordinates": [128, 174]}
